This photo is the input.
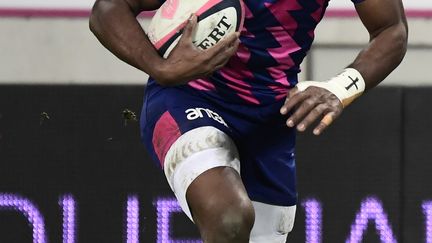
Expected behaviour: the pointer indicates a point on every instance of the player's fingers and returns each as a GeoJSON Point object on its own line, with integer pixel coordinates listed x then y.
{"type": "Point", "coordinates": [226, 42]}
{"type": "Point", "coordinates": [220, 65]}
{"type": "Point", "coordinates": [292, 92]}
{"type": "Point", "coordinates": [305, 107]}
{"type": "Point", "coordinates": [313, 115]}
{"type": "Point", "coordinates": [292, 101]}
{"type": "Point", "coordinates": [325, 122]}
{"type": "Point", "coordinates": [189, 29]}
{"type": "Point", "coordinates": [218, 61]}
{"type": "Point", "coordinates": [223, 57]}
{"type": "Point", "coordinates": [232, 48]}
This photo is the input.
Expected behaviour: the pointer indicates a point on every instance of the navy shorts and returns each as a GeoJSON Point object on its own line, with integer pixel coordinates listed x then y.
{"type": "Point", "coordinates": [265, 144]}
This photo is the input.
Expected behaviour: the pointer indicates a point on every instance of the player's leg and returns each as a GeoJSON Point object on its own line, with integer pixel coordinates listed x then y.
{"type": "Point", "coordinates": [202, 167]}
{"type": "Point", "coordinates": [268, 173]}
{"type": "Point", "coordinates": [221, 207]}
{"type": "Point", "coordinates": [188, 137]}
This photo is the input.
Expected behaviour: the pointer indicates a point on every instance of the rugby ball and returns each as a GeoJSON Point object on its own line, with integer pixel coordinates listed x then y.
{"type": "Point", "coordinates": [216, 19]}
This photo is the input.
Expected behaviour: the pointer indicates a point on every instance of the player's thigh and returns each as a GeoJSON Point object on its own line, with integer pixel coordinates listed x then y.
{"type": "Point", "coordinates": [191, 140]}
{"type": "Point", "coordinates": [218, 198]}
{"type": "Point", "coordinates": [203, 169]}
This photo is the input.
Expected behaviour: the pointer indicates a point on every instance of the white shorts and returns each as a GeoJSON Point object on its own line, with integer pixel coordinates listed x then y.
{"type": "Point", "coordinates": [204, 148]}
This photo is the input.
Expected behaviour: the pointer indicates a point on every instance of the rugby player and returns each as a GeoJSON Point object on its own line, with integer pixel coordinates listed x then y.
{"type": "Point", "coordinates": [222, 122]}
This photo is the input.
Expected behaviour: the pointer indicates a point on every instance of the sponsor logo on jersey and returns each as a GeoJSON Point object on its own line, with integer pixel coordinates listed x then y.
{"type": "Point", "coordinates": [197, 113]}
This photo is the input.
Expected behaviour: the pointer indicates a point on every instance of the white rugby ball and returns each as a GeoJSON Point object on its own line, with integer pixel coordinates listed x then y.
{"type": "Point", "coordinates": [216, 19]}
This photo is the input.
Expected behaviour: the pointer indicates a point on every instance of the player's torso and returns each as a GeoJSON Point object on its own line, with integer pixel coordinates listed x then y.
{"type": "Point", "coordinates": [274, 40]}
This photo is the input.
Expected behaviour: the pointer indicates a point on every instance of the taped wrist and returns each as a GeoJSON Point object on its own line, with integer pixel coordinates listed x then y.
{"type": "Point", "coordinates": [347, 86]}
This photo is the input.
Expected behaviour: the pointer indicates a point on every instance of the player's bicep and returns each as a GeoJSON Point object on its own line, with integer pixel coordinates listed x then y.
{"type": "Point", "coordinates": [378, 15]}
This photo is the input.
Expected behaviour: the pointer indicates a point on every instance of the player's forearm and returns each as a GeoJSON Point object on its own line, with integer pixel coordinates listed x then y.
{"type": "Point", "coordinates": [383, 54]}
{"type": "Point", "coordinates": [114, 23]}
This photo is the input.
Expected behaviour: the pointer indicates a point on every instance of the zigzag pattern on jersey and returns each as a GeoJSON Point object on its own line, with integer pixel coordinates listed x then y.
{"type": "Point", "coordinates": [304, 35]}
{"type": "Point", "coordinates": [262, 55]}
{"type": "Point", "coordinates": [276, 37]}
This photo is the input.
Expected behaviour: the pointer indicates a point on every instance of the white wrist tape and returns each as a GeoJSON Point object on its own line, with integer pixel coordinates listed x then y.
{"type": "Point", "coordinates": [347, 86]}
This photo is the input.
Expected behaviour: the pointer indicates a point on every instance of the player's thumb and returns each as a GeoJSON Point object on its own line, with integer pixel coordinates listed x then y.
{"type": "Point", "coordinates": [189, 28]}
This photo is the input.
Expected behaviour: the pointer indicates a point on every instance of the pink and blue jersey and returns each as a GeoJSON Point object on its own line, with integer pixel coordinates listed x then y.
{"type": "Point", "coordinates": [246, 95]}
{"type": "Point", "coordinates": [275, 38]}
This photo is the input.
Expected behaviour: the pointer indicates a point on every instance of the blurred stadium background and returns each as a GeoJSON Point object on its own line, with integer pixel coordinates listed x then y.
{"type": "Point", "coordinates": [72, 168]}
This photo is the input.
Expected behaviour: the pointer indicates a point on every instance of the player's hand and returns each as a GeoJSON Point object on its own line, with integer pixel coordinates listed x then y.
{"type": "Point", "coordinates": [186, 62]}
{"type": "Point", "coordinates": [310, 105]}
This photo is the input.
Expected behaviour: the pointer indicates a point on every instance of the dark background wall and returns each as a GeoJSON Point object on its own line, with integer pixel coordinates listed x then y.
{"type": "Point", "coordinates": [376, 155]}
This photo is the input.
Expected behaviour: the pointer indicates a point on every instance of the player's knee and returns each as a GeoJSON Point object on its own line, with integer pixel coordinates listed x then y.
{"type": "Point", "coordinates": [234, 223]}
